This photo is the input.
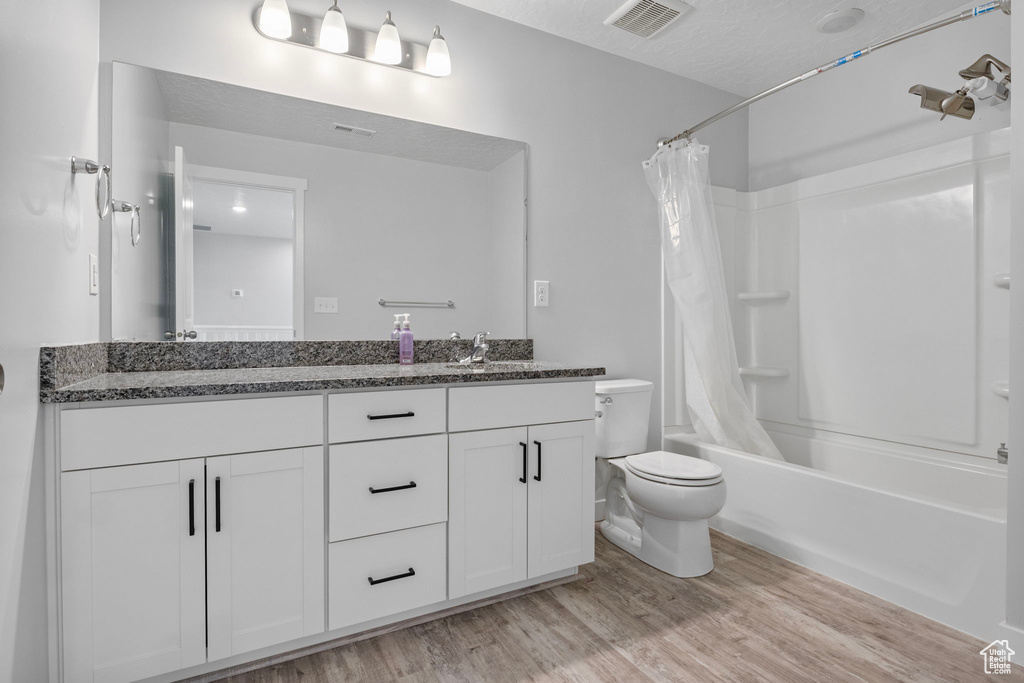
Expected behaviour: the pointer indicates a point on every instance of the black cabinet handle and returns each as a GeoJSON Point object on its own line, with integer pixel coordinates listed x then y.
{"type": "Point", "coordinates": [410, 485]}
{"type": "Point", "coordinates": [538, 460]}
{"type": "Point", "coordinates": [390, 417]}
{"type": "Point", "coordinates": [374, 582]}
{"type": "Point", "coordinates": [525, 451]}
{"type": "Point", "coordinates": [216, 503]}
{"type": "Point", "coordinates": [191, 507]}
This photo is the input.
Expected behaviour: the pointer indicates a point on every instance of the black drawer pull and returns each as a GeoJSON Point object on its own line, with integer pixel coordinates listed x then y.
{"type": "Point", "coordinates": [525, 450]}
{"type": "Point", "coordinates": [191, 507]}
{"type": "Point", "coordinates": [216, 496]}
{"type": "Point", "coordinates": [390, 417]}
{"type": "Point", "coordinates": [410, 485]}
{"type": "Point", "coordinates": [374, 582]}
{"type": "Point", "coordinates": [538, 460]}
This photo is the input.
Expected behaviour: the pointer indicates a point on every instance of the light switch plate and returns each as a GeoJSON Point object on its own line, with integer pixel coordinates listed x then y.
{"type": "Point", "coordinates": [94, 275]}
{"type": "Point", "coordinates": [237, 293]}
{"type": "Point", "coordinates": [325, 304]}
{"type": "Point", "coordinates": [541, 293]}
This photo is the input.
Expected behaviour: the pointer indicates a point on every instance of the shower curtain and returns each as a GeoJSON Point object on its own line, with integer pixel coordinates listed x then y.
{"type": "Point", "coordinates": [715, 398]}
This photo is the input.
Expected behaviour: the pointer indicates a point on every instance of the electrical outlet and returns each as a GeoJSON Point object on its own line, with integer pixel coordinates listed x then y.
{"type": "Point", "coordinates": [325, 304]}
{"type": "Point", "coordinates": [541, 293]}
{"type": "Point", "coordinates": [94, 275]}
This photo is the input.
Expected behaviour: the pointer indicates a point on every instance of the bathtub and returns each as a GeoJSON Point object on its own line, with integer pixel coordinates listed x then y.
{"type": "Point", "coordinates": [925, 532]}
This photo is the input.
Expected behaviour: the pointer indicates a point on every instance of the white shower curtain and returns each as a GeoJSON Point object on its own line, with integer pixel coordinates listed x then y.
{"type": "Point", "coordinates": [715, 398]}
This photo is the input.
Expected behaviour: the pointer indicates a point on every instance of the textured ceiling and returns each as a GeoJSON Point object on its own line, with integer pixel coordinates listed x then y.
{"type": "Point", "coordinates": [741, 46]}
{"type": "Point", "coordinates": [200, 102]}
{"type": "Point", "coordinates": [268, 212]}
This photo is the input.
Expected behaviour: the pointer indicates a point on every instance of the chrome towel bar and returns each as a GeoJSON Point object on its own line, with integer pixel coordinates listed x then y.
{"type": "Point", "coordinates": [422, 304]}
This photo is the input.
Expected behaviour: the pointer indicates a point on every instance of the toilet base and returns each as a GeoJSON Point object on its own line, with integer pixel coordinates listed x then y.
{"type": "Point", "coordinates": [682, 549]}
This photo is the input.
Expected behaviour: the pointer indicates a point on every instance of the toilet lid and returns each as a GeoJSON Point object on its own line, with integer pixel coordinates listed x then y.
{"type": "Point", "coordinates": [673, 466]}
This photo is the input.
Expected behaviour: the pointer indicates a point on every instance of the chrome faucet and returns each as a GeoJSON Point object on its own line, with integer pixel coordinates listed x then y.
{"type": "Point", "coordinates": [1002, 454]}
{"type": "Point", "coordinates": [479, 354]}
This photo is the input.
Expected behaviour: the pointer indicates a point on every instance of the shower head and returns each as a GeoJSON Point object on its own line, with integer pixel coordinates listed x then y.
{"type": "Point", "coordinates": [957, 104]}
{"type": "Point", "coordinates": [983, 68]}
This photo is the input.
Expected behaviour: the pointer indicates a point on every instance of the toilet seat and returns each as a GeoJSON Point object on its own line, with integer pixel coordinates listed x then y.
{"type": "Point", "coordinates": [673, 469]}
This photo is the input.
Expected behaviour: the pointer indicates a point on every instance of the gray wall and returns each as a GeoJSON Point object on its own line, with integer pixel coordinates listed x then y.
{"type": "Point", "coordinates": [590, 119]}
{"type": "Point", "coordinates": [862, 111]}
{"type": "Point", "coordinates": [49, 112]}
{"type": "Point", "coordinates": [260, 266]}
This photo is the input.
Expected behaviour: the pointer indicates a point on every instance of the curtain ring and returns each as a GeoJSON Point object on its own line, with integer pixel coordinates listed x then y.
{"type": "Point", "coordinates": [135, 230]}
{"type": "Point", "coordinates": [103, 207]}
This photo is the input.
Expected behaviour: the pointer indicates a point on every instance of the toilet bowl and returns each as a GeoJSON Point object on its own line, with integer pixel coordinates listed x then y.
{"type": "Point", "coordinates": [657, 503]}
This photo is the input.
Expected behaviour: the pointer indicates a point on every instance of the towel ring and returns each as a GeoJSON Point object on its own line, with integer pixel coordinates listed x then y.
{"type": "Point", "coordinates": [135, 230]}
{"type": "Point", "coordinates": [102, 173]}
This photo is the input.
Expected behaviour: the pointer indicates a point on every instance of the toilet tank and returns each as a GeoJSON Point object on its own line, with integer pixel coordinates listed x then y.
{"type": "Point", "coordinates": [624, 406]}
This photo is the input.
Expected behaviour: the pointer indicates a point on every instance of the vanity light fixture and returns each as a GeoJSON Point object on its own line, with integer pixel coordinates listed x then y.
{"type": "Point", "coordinates": [275, 20]}
{"type": "Point", "coordinates": [439, 62]}
{"type": "Point", "coordinates": [388, 49]}
{"type": "Point", "coordinates": [331, 33]}
{"type": "Point", "coordinates": [334, 30]}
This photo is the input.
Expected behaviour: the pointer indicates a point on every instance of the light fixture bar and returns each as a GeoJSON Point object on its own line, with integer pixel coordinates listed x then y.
{"type": "Point", "coordinates": [361, 43]}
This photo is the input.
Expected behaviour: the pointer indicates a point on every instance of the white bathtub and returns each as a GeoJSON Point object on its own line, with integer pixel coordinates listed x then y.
{"type": "Point", "coordinates": [924, 532]}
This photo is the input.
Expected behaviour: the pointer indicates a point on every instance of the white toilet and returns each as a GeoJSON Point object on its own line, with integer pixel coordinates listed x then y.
{"type": "Point", "coordinates": [657, 504]}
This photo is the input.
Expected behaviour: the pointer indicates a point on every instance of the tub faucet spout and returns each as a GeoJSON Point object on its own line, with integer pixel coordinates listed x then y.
{"type": "Point", "coordinates": [1003, 454]}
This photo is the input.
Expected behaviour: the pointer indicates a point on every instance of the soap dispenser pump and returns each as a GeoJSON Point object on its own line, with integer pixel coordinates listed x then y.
{"type": "Point", "coordinates": [405, 345]}
{"type": "Point", "coordinates": [397, 332]}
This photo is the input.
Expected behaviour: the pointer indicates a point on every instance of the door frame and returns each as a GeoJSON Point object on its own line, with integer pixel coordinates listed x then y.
{"type": "Point", "coordinates": [297, 186]}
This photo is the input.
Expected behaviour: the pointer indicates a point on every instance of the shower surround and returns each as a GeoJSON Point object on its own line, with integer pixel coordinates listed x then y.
{"type": "Point", "coordinates": [870, 310]}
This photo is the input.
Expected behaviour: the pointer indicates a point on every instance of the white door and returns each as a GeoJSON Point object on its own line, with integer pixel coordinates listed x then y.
{"type": "Point", "coordinates": [561, 510]}
{"type": "Point", "coordinates": [487, 485]}
{"type": "Point", "coordinates": [132, 565]}
{"type": "Point", "coordinates": [265, 548]}
{"type": "Point", "coordinates": [184, 272]}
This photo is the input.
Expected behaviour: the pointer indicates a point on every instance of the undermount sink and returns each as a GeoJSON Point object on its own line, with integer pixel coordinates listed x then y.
{"type": "Point", "coordinates": [496, 365]}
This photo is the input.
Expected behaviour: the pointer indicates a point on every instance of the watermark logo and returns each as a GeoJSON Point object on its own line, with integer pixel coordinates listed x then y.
{"type": "Point", "coordinates": [997, 657]}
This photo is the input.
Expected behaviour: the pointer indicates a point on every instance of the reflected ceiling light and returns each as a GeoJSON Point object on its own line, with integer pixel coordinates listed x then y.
{"type": "Point", "coordinates": [239, 209]}
{"type": "Point", "coordinates": [275, 21]}
{"type": "Point", "coordinates": [330, 33]}
{"type": "Point", "coordinates": [388, 49]}
{"type": "Point", "coordinates": [334, 30]}
{"type": "Point", "coordinates": [439, 62]}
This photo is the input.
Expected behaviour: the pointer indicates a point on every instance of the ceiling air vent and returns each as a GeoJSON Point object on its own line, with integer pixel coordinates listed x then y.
{"type": "Point", "coordinates": [647, 18]}
{"type": "Point", "coordinates": [354, 130]}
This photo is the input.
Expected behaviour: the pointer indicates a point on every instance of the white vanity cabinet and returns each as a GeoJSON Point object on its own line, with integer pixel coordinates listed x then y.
{"type": "Point", "coordinates": [520, 498]}
{"type": "Point", "coordinates": [192, 533]}
{"type": "Point", "coordinates": [166, 565]}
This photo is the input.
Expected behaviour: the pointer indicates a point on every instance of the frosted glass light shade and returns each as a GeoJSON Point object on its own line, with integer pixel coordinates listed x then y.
{"type": "Point", "coordinates": [439, 62]}
{"type": "Point", "coordinates": [334, 31]}
{"type": "Point", "coordinates": [388, 49]}
{"type": "Point", "coordinates": [275, 20]}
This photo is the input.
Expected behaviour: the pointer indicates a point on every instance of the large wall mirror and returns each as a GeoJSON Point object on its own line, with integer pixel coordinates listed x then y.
{"type": "Point", "coordinates": [265, 217]}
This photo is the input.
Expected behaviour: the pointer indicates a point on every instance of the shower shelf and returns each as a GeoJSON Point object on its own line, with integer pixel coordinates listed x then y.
{"type": "Point", "coordinates": [759, 372]}
{"type": "Point", "coordinates": [1001, 389]}
{"type": "Point", "coordinates": [764, 297]}
{"type": "Point", "coordinates": [1002, 280]}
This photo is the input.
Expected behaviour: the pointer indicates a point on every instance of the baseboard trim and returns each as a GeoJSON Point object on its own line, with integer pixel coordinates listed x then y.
{"type": "Point", "coordinates": [374, 632]}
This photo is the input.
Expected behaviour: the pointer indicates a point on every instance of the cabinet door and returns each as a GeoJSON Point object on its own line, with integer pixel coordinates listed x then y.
{"type": "Point", "coordinates": [265, 548]}
{"type": "Point", "coordinates": [132, 571]}
{"type": "Point", "coordinates": [561, 507]}
{"type": "Point", "coordinates": [486, 510]}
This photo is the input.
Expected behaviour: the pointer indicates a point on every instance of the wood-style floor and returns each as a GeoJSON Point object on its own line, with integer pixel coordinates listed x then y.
{"type": "Point", "coordinates": [755, 618]}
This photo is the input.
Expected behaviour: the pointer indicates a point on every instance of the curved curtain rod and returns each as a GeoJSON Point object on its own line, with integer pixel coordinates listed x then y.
{"type": "Point", "coordinates": [1004, 5]}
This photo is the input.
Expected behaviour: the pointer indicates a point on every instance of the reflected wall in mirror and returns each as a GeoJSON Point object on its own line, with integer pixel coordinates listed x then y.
{"type": "Point", "coordinates": [257, 205]}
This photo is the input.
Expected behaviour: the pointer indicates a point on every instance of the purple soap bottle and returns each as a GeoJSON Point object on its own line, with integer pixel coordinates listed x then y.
{"type": "Point", "coordinates": [405, 343]}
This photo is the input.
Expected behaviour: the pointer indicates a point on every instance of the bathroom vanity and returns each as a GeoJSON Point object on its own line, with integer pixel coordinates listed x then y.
{"type": "Point", "coordinates": [205, 519]}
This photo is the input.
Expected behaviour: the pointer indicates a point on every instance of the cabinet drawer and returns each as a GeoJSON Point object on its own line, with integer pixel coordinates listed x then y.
{"type": "Point", "coordinates": [514, 405]}
{"type": "Point", "coordinates": [385, 414]}
{"type": "Point", "coordinates": [407, 569]}
{"type": "Point", "coordinates": [126, 435]}
{"type": "Point", "coordinates": [372, 485]}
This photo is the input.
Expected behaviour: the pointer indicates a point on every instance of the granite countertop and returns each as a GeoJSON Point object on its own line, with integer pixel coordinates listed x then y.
{"type": "Point", "coordinates": [119, 386]}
